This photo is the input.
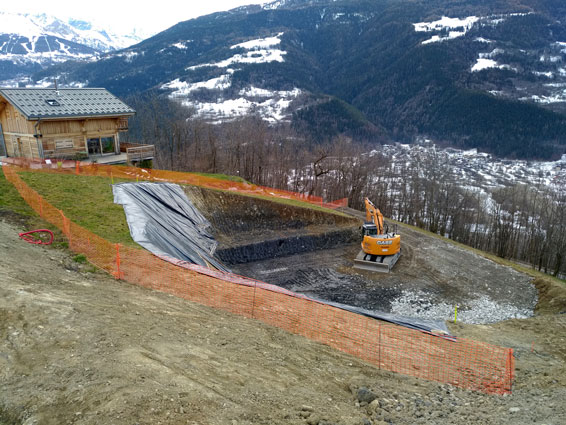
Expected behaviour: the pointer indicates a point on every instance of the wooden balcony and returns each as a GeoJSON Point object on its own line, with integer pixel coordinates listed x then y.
{"type": "Point", "coordinates": [136, 152]}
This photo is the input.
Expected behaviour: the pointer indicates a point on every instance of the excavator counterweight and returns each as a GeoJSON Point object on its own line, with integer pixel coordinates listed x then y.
{"type": "Point", "coordinates": [380, 248]}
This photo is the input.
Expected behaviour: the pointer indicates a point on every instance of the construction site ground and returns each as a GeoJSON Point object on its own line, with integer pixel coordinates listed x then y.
{"type": "Point", "coordinates": [430, 279]}
{"type": "Point", "coordinates": [77, 346]}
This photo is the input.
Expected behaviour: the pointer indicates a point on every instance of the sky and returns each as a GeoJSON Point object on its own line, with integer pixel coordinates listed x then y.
{"type": "Point", "coordinates": [121, 16]}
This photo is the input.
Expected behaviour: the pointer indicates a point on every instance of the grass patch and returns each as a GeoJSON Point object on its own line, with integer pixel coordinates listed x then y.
{"type": "Point", "coordinates": [80, 258]}
{"type": "Point", "coordinates": [88, 201]}
{"type": "Point", "coordinates": [10, 199]}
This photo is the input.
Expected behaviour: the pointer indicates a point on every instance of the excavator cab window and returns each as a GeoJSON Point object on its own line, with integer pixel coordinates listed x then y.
{"type": "Point", "coordinates": [369, 230]}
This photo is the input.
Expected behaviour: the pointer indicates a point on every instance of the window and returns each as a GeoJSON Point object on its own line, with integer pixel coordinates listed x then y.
{"type": "Point", "coordinates": [123, 124]}
{"type": "Point", "coordinates": [107, 144]}
{"type": "Point", "coordinates": [64, 144]}
{"type": "Point", "coordinates": [101, 145]}
{"type": "Point", "coordinates": [52, 102]}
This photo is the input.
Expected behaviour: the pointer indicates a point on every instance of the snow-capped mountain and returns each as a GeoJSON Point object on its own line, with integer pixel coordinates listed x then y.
{"type": "Point", "coordinates": [32, 27]}
{"type": "Point", "coordinates": [29, 43]}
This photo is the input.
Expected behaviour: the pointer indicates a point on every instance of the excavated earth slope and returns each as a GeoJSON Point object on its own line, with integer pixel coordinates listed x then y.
{"type": "Point", "coordinates": [251, 229]}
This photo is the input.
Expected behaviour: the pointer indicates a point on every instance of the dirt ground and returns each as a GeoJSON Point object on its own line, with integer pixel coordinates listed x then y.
{"type": "Point", "coordinates": [77, 347]}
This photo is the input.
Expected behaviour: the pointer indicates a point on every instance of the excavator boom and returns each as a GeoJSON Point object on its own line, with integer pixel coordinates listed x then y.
{"type": "Point", "coordinates": [374, 215]}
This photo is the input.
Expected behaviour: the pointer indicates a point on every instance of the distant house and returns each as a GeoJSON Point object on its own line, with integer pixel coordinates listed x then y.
{"type": "Point", "coordinates": [62, 123]}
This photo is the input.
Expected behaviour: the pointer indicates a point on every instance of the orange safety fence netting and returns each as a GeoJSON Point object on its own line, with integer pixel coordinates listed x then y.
{"type": "Point", "coordinates": [142, 174]}
{"type": "Point", "coordinates": [464, 363]}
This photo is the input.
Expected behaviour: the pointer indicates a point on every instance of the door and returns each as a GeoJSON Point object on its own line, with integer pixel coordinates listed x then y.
{"type": "Point", "coordinates": [3, 151]}
{"type": "Point", "coordinates": [20, 147]}
{"type": "Point", "coordinates": [94, 146]}
{"type": "Point", "coordinates": [107, 144]}
{"type": "Point", "coordinates": [16, 147]}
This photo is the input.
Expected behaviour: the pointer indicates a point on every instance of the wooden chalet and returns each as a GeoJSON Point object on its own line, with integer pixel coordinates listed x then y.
{"type": "Point", "coordinates": [66, 124]}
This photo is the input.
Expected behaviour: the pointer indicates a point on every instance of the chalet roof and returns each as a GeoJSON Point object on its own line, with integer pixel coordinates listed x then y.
{"type": "Point", "coordinates": [65, 103]}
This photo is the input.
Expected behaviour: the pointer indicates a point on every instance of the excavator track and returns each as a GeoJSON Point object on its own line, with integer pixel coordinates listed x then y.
{"type": "Point", "coordinates": [375, 263]}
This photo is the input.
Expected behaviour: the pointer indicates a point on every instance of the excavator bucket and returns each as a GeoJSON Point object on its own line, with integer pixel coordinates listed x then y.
{"type": "Point", "coordinates": [375, 263]}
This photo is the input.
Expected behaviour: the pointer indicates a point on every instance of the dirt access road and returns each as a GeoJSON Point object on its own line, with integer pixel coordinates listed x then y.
{"type": "Point", "coordinates": [77, 347]}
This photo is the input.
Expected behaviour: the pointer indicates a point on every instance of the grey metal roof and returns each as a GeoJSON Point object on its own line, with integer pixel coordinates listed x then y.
{"type": "Point", "coordinates": [65, 103]}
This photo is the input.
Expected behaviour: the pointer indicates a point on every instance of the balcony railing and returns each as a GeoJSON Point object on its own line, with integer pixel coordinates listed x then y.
{"type": "Point", "coordinates": [137, 152]}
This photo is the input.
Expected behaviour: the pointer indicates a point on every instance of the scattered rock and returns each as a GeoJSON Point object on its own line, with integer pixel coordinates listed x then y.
{"type": "Point", "coordinates": [374, 406]}
{"type": "Point", "coordinates": [364, 395]}
{"type": "Point", "coordinates": [314, 419]}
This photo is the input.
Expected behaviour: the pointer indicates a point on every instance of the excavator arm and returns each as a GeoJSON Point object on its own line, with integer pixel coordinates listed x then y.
{"type": "Point", "coordinates": [374, 215]}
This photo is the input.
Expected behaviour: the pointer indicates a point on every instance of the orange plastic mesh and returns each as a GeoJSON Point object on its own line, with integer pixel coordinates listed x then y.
{"type": "Point", "coordinates": [464, 363]}
{"type": "Point", "coordinates": [141, 174]}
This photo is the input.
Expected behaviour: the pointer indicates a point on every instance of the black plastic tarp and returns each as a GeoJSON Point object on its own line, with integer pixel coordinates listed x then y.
{"type": "Point", "coordinates": [432, 326]}
{"type": "Point", "coordinates": [163, 220]}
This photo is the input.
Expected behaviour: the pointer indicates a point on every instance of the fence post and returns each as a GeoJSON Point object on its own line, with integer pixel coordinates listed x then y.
{"type": "Point", "coordinates": [66, 228]}
{"type": "Point", "coordinates": [77, 167]}
{"type": "Point", "coordinates": [40, 205]}
{"type": "Point", "coordinates": [118, 273]}
{"type": "Point", "coordinates": [379, 345]}
{"type": "Point", "coordinates": [510, 369]}
{"type": "Point", "coordinates": [253, 302]}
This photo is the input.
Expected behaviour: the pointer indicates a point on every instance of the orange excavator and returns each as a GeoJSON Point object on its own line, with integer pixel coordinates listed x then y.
{"type": "Point", "coordinates": [380, 248]}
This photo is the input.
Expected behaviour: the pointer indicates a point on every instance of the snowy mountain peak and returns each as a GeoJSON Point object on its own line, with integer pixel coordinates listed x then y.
{"type": "Point", "coordinates": [81, 32]}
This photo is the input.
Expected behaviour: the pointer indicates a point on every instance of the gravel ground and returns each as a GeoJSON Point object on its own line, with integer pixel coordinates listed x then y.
{"type": "Point", "coordinates": [478, 310]}
{"type": "Point", "coordinates": [431, 278]}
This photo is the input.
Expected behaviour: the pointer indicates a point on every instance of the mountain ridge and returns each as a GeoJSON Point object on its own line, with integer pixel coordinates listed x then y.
{"type": "Point", "coordinates": [31, 42]}
{"type": "Point", "coordinates": [419, 68]}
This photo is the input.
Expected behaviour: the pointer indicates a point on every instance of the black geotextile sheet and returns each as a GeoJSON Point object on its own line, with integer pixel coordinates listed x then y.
{"type": "Point", "coordinates": [437, 327]}
{"type": "Point", "coordinates": [163, 220]}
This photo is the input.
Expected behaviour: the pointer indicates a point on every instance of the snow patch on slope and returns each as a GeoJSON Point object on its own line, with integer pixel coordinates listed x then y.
{"type": "Point", "coordinates": [272, 106]}
{"type": "Point", "coordinates": [483, 63]}
{"type": "Point", "coordinates": [272, 110]}
{"type": "Point", "coordinates": [556, 98]}
{"type": "Point", "coordinates": [259, 43]}
{"type": "Point", "coordinates": [258, 51]}
{"type": "Point", "coordinates": [183, 88]}
{"type": "Point", "coordinates": [446, 23]}
{"type": "Point", "coordinates": [451, 28]}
